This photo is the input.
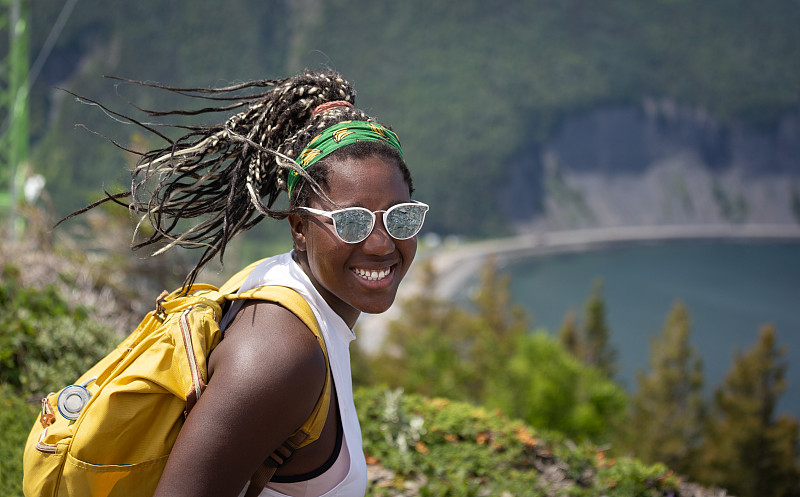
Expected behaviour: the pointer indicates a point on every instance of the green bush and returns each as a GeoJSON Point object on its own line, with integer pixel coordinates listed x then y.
{"type": "Point", "coordinates": [445, 448]}
{"type": "Point", "coordinates": [46, 342]}
{"type": "Point", "coordinates": [546, 386]}
{"type": "Point", "coordinates": [16, 418]}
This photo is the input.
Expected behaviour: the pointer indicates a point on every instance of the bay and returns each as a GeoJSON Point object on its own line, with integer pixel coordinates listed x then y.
{"type": "Point", "coordinates": [730, 288]}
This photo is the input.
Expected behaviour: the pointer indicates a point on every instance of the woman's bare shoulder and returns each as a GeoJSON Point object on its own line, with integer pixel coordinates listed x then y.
{"type": "Point", "coordinates": [268, 345]}
{"type": "Point", "coordinates": [268, 373]}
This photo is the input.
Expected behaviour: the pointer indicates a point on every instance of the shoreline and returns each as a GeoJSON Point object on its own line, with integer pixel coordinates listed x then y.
{"type": "Point", "coordinates": [455, 264]}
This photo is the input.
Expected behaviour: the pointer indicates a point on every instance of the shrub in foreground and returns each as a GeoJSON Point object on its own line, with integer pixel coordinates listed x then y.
{"type": "Point", "coordinates": [438, 447]}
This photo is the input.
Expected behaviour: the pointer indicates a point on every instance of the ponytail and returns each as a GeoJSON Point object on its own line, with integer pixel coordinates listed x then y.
{"type": "Point", "coordinates": [216, 181]}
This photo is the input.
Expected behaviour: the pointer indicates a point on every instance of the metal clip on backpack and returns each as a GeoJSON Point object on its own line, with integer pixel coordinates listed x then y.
{"type": "Point", "coordinates": [112, 431]}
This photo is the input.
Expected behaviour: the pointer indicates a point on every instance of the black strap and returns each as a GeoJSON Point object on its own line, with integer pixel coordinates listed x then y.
{"type": "Point", "coordinates": [267, 470]}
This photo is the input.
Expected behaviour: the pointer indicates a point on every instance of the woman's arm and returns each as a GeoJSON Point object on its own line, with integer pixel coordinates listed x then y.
{"type": "Point", "coordinates": [266, 377]}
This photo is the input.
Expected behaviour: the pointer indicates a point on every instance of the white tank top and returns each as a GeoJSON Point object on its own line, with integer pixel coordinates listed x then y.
{"type": "Point", "coordinates": [347, 476]}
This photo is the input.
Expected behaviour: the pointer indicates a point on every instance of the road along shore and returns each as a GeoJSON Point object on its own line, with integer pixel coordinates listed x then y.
{"type": "Point", "coordinates": [456, 264]}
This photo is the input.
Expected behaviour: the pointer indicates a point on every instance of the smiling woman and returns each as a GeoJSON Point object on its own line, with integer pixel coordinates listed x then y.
{"type": "Point", "coordinates": [364, 276]}
{"type": "Point", "coordinates": [353, 224]}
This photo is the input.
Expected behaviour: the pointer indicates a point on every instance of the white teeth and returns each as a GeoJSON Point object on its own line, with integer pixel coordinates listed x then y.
{"type": "Point", "coordinates": [372, 275]}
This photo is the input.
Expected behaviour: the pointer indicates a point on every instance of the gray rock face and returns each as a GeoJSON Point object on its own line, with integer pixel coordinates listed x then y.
{"type": "Point", "coordinates": [657, 164]}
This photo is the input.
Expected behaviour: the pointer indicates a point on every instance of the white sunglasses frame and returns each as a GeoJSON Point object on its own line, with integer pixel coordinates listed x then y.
{"type": "Point", "coordinates": [329, 215]}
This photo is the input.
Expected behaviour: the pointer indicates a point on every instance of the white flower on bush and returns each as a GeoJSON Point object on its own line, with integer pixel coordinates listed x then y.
{"type": "Point", "coordinates": [400, 431]}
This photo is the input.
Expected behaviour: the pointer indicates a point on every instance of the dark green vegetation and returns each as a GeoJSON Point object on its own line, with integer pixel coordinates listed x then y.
{"type": "Point", "coordinates": [44, 339]}
{"type": "Point", "coordinates": [489, 357]}
{"type": "Point", "coordinates": [17, 416]}
{"type": "Point", "coordinates": [472, 88]}
{"type": "Point", "coordinates": [437, 447]}
{"type": "Point", "coordinates": [487, 402]}
{"type": "Point", "coordinates": [486, 356]}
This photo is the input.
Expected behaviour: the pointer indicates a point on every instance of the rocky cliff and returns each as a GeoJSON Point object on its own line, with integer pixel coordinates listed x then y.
{"type": "Point", "coordinates": [657, 164]}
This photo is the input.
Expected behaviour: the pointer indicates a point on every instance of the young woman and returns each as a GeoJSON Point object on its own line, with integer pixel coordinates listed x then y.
{"type": "Point", "coordinates": [353, 223]}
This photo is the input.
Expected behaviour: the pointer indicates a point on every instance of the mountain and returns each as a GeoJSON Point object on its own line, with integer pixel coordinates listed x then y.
{"type": "Point", "coordinates": [512, 113]}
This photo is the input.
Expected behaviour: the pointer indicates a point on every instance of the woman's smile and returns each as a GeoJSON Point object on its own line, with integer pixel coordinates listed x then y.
{"type": "Point", "coordinates": [373, 275]}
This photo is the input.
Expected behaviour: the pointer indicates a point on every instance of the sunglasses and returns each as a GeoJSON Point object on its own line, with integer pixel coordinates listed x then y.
{"type": "Point", "coordinates": [354, 224]}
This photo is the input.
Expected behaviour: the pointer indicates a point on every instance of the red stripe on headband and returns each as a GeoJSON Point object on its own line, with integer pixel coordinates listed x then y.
{"type": "Point", "coordinates": [330, 105]}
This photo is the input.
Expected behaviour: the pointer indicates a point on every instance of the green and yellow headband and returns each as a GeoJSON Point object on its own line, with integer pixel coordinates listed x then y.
{"type": "Point", "coordinates": [337, 136]}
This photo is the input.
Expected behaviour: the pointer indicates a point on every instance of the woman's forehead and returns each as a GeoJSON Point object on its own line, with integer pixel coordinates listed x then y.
{"type": "Point", "coordinates": [352, 179]}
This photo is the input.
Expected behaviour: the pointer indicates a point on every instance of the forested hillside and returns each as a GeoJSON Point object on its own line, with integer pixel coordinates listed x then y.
{"type": "Point", "coordinates": [477, 92]}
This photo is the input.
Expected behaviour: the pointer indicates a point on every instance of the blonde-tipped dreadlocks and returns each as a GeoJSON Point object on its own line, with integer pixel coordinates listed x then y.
{"type": "Point", "coordinates": [226, 177]}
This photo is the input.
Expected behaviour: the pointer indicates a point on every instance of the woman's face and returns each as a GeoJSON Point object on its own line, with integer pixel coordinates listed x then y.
{"type": "Point", "coordinates": [339, 270]}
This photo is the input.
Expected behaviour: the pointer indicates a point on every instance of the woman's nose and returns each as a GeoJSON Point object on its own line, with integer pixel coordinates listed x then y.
{"type": "Point", "coordinates": [379, 242]}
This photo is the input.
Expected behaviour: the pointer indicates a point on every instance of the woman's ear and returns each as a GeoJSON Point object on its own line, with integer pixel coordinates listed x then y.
{"type": "Point", "coordinates": [298, 227]}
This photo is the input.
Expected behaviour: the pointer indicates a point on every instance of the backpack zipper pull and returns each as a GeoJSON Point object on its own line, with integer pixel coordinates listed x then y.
{"type": "Point", "coordinates": [47, 418]}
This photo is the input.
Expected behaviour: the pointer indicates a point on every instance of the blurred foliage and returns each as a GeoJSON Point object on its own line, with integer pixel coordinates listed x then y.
{"type": "Point", "coordinates": [16, 417]}
{"type": "Point", "coordinates": [437, 447]}
{"type": "Point", "coordinates": [46, 342]}
{"type": "Point", "coordinates": [589, 340]}
{"type": "Point", "coordinates": [487, 356]}
{"type": "Point", "coordinates": [536, 399]}
{"type": "Point", "coordinates": [667, 411]}
{"type": "Point", "coordinates": [484, 354]}
{"type": "Point", "coordinates": [749, 449]}
{"type": "Point", "coordinates": [470, 87]}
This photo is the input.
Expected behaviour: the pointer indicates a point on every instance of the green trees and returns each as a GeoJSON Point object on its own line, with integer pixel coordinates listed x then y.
{"type": "Point", "coordinates": [550, 388]}
{"type": "Point", "coordinates": [748, 449]}
{"type": "Point", "coordinates": [667, 411]}
{"type": "Point", "coordinates": [485, 353]}
{"type": "Point", "coordinates": [737, 443]}
{"type": "Point", "coordinates": [442, 350]}
{"type": "Point", "coordinates": [487, 356]}
{"type": "Point", "coordinates": [731, 58]}
{"type": "Point", "coordinates": [589, 340]}
{"type": "Point", "coordinates": [420, 353]}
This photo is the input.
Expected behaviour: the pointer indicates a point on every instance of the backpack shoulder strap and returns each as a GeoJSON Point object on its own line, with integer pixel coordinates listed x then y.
{"type": "Point", "coordinates": [312, 427]}
{"type": "Point", "coordinates": [235, 281]}
{"type": "Point", "coordinates": [296, 304]}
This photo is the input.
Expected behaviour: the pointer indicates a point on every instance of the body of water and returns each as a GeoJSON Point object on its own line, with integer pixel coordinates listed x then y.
{"type": "Point", "coordinates": [730, 288]}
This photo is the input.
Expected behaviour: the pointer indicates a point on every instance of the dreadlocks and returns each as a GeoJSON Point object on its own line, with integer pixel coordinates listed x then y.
{"type": "Point", "coordinates": [226, 177]}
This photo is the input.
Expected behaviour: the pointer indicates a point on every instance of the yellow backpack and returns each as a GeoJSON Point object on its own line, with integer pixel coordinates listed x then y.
{"type": "Point", "coordinates": [112, 431]}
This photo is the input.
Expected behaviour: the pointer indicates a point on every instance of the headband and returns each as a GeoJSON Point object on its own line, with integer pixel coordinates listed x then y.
{"type": "Point", "coordinates": [337, 136]}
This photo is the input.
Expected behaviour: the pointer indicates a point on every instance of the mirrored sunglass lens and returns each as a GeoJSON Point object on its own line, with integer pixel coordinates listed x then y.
{"type": "Point", "coordinates": [404, 221]}
{"type": "Point", "coordinates": [353, 225]}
